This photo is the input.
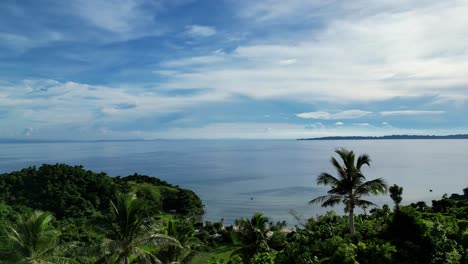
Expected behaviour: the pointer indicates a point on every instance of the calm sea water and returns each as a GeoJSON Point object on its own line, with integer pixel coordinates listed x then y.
{"type": "Point", "coordinates": [235, 178]}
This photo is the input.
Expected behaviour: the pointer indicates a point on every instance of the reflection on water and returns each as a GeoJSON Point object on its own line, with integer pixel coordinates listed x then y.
{"type": "Point", "coordinates": [238, 177]}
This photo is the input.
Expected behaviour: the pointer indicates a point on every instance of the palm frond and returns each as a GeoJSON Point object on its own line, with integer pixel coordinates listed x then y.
{"type": "Point", "coordinates": [60, 260]}
{"type": "Point", "coordinates": [332, 201]}
{"type": "Point", "coordinates": [348, 159]}
{"type": "Point", "coordinates": [344, 153]}
{"type": "Point", "coordinates": [327, 179]}
{"type": "Point", "coordinates": [145, 257]}
{"type": "Point", "coordinates": [341, 171]}
{"type": "Point", "coordinates": [34, 237]}
{"type": "Point", "coordinates": [362, 203]}
{"type": "Point", "coordinates": [363, 159]}
{"type": "Point", "coordinates": [327, 200]}
{"type": "Point", "coordinates": [186, 259]}
{"type": "Point", "coordinates": [376, 186]}
{"type": "Point", "coordinates": [259, 221]}
{"type": "Point", "coordinates": [162, 240]}
{"type": "Point", "coordinates": [350, 184]}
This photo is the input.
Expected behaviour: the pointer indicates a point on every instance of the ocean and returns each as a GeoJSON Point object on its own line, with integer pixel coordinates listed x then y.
{"type": "Point", "coordinates": [236, 178]}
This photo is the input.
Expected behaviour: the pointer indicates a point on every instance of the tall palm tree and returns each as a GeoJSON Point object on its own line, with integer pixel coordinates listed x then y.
{"type": "Point", "coordinates": [350, 185]}
{"type": "Point", "coordinates": [131, 233]}
{"type": "Point", "coordinates": [252, 236]}
{"type": "Point", "coordinates": [35, 240]}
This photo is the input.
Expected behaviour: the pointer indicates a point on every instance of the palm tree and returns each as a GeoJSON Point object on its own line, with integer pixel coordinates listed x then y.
{"type": "Point", "coordinates": [184, 232]}
{"type": "Point", "coordinates": [35, 240]}
{"type": "Point", "coordinates": [252, 236]}
{"type": "Point", "coordinates": [131, 234]}
{"type": "Point", "coordinates": [395, 193]}
{"type": "Point", "coordinates": [350, 185]}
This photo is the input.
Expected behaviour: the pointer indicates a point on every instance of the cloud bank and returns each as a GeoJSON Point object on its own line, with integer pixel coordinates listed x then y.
{"type": "Point", "coordinates": [252, 69]}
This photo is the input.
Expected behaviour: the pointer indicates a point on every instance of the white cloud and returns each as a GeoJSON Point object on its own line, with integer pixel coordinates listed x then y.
{"type": "Point", "coordinates": [118, 16]}
{"type": "Point", "coordinates": [79, 21]}
{"type": "Point", "coordinates": [200, 31]}
{"type": "Point", "coordinates": [288, 62]}
{"type": "Point", "coordinates": [286, 131]}
{"type": "Point", "coordinates": [271, 10]}
{"type": "Point", "coordinates": [247, 131]}
{"type": "Point", "coordinates": [21, 43]}
{"type": "Point", "coordinates": [357, 55]}
{"type": "Point", "coordinates": [49, 103]}
{"type": "Point", "coordinates": [362, 124]}
{"type": "Point", "coordinates": [411, 112]}
{"type": "Point", "coordinates": [315, 126]}
{"type": "Point", "coordinates": [193, 61]}
{"type": "Point", "coordinates": [348, 114]}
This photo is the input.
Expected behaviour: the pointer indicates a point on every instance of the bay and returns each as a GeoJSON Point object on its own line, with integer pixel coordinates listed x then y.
{"type": "Point", "coordinates": [236, 178]}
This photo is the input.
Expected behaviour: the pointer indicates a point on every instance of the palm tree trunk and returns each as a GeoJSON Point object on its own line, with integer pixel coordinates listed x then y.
{"type": "Point", "coordinates": [351, 221]}
{"type": "Point", "coordinates": [126, 258]}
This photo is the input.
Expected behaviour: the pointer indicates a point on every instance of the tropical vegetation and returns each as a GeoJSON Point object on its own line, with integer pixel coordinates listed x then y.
{"type": "Point", "coordinates": [66, 214]}
{"type": "Point", "coordinates": [350, 185]}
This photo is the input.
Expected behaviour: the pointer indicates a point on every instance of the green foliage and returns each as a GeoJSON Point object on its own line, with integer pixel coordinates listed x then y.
{"type": "Point", "coordinates": [35, 240]}
{"type": "Point", "coordinates": [264, 258]}
{"type": "Point", "coordinates": [299, 249]}
{"type": "Point", "coordinates": [345, 253]}
{"type": "Point", "coordinates": [460, 197]}
{"type": "Point", "coordinates": [375, 252]}
{"type": "Point", "coordinates": [252, 236]}
{"type": "Point", "coordinates": [395, 193]}
{"type": "Point", "coordinates": [236, 260]}
{"type": "Point", "coordinates": [335, 250]}
{"type": "Point", "coordinates": [445, 249]}
{"type": "Point", "coordinates": [7, 216]}
{"type": "Point", "coordinates": [443, 205]}
{"type": "Point", "coordinates": [162, 196]}
{"type": "Point", "coordinates": [130, 229]}
{"type": "Point", "coordinates": [149, 194]}
{"type": "Point", "coordinates": [35, 236]}
{"type": "Point", "coordinates": [350, 185]}
{"type": "Point", "coordinates": [61, 189]}
{"type": "Point", "coordinates": [188, 203]}
{"type": "Point", "coordinates": [328, 225]}
{"type": "Point", "coordinates": [73, 192]}
{"type": "Point", "coordinates": [408, 232]}
{"type": "Point", "coordinates": [183, 232]}
{"type": "Point", "coordinates": [214, 260]}
{"type": "Point", "coordinates": [218, 254]}
{"type": "Point", "coordinates": [79, 199]}
{"type": "Point", "coordinates": [278, 240]}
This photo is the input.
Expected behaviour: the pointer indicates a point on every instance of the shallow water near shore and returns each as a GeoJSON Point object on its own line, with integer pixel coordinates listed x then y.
{"type": "Point", "coordinates": [235, 178]}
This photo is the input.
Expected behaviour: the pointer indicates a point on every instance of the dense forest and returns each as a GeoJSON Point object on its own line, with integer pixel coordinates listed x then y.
{"type": "Point", "coordinates": [78, 205]}
{"type": "Point", "coordinates": [66, 214]}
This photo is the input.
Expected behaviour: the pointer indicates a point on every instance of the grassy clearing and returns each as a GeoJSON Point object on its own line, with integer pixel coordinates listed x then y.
{"type": "Point", "coordinates": [222, 251]}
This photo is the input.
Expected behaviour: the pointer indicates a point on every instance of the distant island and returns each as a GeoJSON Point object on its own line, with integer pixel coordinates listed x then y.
{"type": "Point", "coordinates": [460, 136]}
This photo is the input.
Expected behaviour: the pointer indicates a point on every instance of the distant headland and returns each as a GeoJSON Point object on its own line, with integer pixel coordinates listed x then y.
{"type": "Point", "coordinates": [460, 136]}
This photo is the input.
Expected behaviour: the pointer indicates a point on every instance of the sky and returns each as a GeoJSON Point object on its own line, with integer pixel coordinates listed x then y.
{"type": "Point", "coordinates": [214, 69]}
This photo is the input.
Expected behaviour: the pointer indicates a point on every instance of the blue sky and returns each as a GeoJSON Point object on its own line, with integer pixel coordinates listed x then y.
{"type": "Point", "coordinates": [92, 69]}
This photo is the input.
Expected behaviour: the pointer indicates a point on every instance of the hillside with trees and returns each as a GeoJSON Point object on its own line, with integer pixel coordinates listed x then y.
{"type": "Point", "coordinates": [66, 214]}
{"type": "Point", "coordinates": [71, 207]}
